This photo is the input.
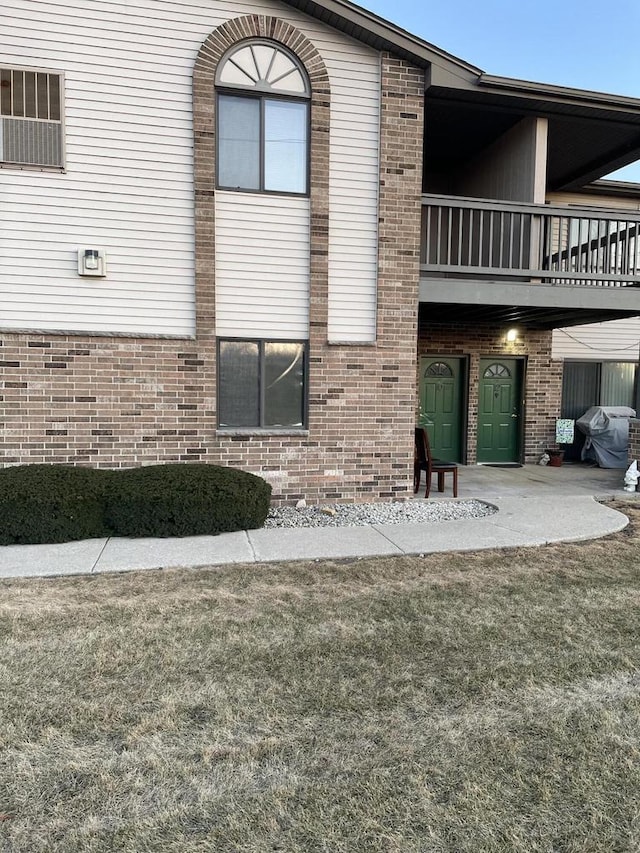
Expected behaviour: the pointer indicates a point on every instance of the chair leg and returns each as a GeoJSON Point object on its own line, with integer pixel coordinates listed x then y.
{"type": "Point", "coordinates": [416, 478]}
{"type": "Point", "coordinates": [427, 491]}
{"type": "Point", "coordinates": [442, 484]}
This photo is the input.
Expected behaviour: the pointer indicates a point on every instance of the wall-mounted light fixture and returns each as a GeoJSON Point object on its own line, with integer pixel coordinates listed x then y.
{"type": "Point", "coordinates": [92, 262]}
{"type": "Point", "coordinates": [512, 336]}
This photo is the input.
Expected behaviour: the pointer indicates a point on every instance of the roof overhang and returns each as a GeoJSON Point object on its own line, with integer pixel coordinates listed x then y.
{"type": "Point", "coordinates": [380, 34]}
{"type": "Point", "coordinates": [590, 134]}
{"type": "Point", "coordinates": [533, 306]}
{"type": "Point", "coordinates": [623, 189]}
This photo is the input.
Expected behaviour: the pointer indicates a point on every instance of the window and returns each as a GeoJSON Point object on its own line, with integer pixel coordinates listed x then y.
{"type": "Point", "coordinates": [262, 384]}
{"type": "Point", "coordinates": [30, 118]}
{"type": "Point", "coordinates": [263, 120]}
{"type": "Point", "coordinates": [438, 368]}
{"type": "Point", "coordinates": [497, 371]}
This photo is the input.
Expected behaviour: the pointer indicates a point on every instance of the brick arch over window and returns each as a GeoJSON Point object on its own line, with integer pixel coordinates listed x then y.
{"type": "Point", "coordinates": [204, 123]}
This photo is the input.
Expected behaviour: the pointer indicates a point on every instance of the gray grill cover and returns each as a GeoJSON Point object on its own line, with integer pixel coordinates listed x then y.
{"type": "Point", "coordinates": [607, 431]}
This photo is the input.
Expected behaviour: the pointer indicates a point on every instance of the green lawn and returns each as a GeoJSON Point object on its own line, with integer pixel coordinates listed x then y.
{"type": "Point", "coordinates": [463, 703]}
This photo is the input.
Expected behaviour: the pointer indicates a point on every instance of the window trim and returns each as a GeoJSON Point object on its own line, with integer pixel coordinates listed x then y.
{"type": "Point", "coordinates": [261, 429]}
{"type": "Point", "coordinates": [34, 167]}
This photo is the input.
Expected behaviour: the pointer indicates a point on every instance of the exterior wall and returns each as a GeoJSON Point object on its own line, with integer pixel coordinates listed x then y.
{"type": "Point", "coordinates": [543, 377]}
{"type": "Point", "coordinates": [361, 398]}
{"type": "Point", "coordinates": [353, 207]}
{"type": "Point", "coordinates": [617, 340]}
{"type": "Point", "coordinates": [354, 173]}
{"type": "Point", "coordinates": [610, 202]}
{"type": "Point", "coordinates": [258, 293]}
{"type": "Point", "coordinates": [107, 402]}
{"type": "Point", "coordinates": [125, 401]}
{"type": "Point", "coordinates": [513, 168]}
{"type": "Point", "coordinates": [128, 186]}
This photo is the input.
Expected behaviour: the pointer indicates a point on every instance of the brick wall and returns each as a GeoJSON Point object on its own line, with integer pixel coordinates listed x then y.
{"type": "Point", "coordinates": [543, 388]}
{"type": "Point", "coordinates": [118, 402]}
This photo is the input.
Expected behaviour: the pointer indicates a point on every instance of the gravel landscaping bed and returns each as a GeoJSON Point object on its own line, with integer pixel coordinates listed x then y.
{"type": "Point", "coordinates": [353, 515]}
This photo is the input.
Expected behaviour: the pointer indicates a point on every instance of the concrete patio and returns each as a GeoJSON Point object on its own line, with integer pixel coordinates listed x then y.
{"type": "Point", "coordinates": [489, 483]}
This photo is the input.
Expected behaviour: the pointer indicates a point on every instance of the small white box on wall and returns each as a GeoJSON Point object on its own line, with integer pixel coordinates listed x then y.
{"type": "Point", "coordinates": [92, 262]}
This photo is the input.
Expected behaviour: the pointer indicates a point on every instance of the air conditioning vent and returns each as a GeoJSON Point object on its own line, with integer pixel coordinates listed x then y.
{"type": "Point", "coordinates": [37, 143]}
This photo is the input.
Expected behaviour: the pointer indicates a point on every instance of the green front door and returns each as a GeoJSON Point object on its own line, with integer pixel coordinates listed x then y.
{"type": "Point", "coordinates": [441, 405]}
{"type": "Point", "coordinates": [499, 410]}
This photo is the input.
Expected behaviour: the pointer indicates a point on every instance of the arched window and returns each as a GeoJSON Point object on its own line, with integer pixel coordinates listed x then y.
{"type": "Point", "coordinates": [263, 119]}
{"type": "Point", "coordinates": [497, 371]}
{"type": "Point", "coordinates": [438, 368]}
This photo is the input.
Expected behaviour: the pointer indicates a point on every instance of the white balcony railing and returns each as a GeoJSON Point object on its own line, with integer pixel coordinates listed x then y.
{"type": "Point", "coordinates": [554, 245]}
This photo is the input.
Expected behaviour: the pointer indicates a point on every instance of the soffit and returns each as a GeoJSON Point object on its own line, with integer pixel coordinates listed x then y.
{"type": "Point", "coordinates": [586, 140]}
{"type": "Point", "coordinates": [506, 316]}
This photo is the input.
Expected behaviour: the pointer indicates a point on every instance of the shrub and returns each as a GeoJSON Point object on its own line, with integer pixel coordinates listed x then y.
{"type": "Point", "coordinates": [185, 500]}
{"type": "Point", "coordinates": [57, 503]}
{"type": "Point", "coordinates": [51, 503]}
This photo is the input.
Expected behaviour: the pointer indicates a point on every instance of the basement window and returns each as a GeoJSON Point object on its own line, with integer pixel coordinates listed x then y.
{"type": "Point", "coordinates": [30, 118]}
{"type": "Point", "coordinates": [262, 384]}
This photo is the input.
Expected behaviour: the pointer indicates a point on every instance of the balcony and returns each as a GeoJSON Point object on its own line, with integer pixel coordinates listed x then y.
{"type": "Point", "coordinates": [575, 260]}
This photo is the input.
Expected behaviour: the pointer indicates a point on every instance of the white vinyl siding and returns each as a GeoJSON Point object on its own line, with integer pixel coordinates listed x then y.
{"type": "Point", "coordinates": [353, 201]}
{"type": "Point", "coordinates": [607, 202]}
{"type": "Point", "coordinates": [262, 266]}
{"type": "Point", "coordinates": [128, 187]}
{"type": "Point", "coordinates": [617, 340]}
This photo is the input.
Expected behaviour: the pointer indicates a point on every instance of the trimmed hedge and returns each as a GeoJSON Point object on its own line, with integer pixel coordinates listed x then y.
{"type": "Point", "coordinates": [51, 503]}
{"type": "Point", "coordinates": [186, 500]}
{"type": "Point", "coordinates": [56, 503]}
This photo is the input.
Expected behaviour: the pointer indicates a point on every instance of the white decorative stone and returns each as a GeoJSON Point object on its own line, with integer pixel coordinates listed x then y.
{"type": "Point", "coordinates": [395, 512]}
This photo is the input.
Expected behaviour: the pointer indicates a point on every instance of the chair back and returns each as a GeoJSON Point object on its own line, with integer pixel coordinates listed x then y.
{"type": "Point", "coordinates": [423, 450]}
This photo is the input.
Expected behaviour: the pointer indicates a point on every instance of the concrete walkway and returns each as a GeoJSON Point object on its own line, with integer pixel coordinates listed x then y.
{"type": "Point", "coordinates": [535, 506]}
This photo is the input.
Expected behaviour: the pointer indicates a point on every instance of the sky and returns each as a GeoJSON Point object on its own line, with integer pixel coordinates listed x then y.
{"type": "Point", "coordinates": [580, 43]}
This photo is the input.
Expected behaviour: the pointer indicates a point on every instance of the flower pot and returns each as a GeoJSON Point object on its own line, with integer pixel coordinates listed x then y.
{"type": "Point", "coordinates": [555, 457]}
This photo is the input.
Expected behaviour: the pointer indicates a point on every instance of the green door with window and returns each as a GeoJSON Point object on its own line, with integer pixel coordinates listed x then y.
{"type": "Point", "coordinates": [441, 405]}
{"type": "Point", "coordinates": [499, 410]}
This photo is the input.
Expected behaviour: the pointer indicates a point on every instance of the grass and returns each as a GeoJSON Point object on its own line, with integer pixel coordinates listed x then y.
{"type": "Point", "coordinates": [463, 703]}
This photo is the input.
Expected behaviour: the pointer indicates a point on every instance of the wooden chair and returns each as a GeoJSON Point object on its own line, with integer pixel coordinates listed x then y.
{"type": "Point", "coordinates": [424, 461]}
